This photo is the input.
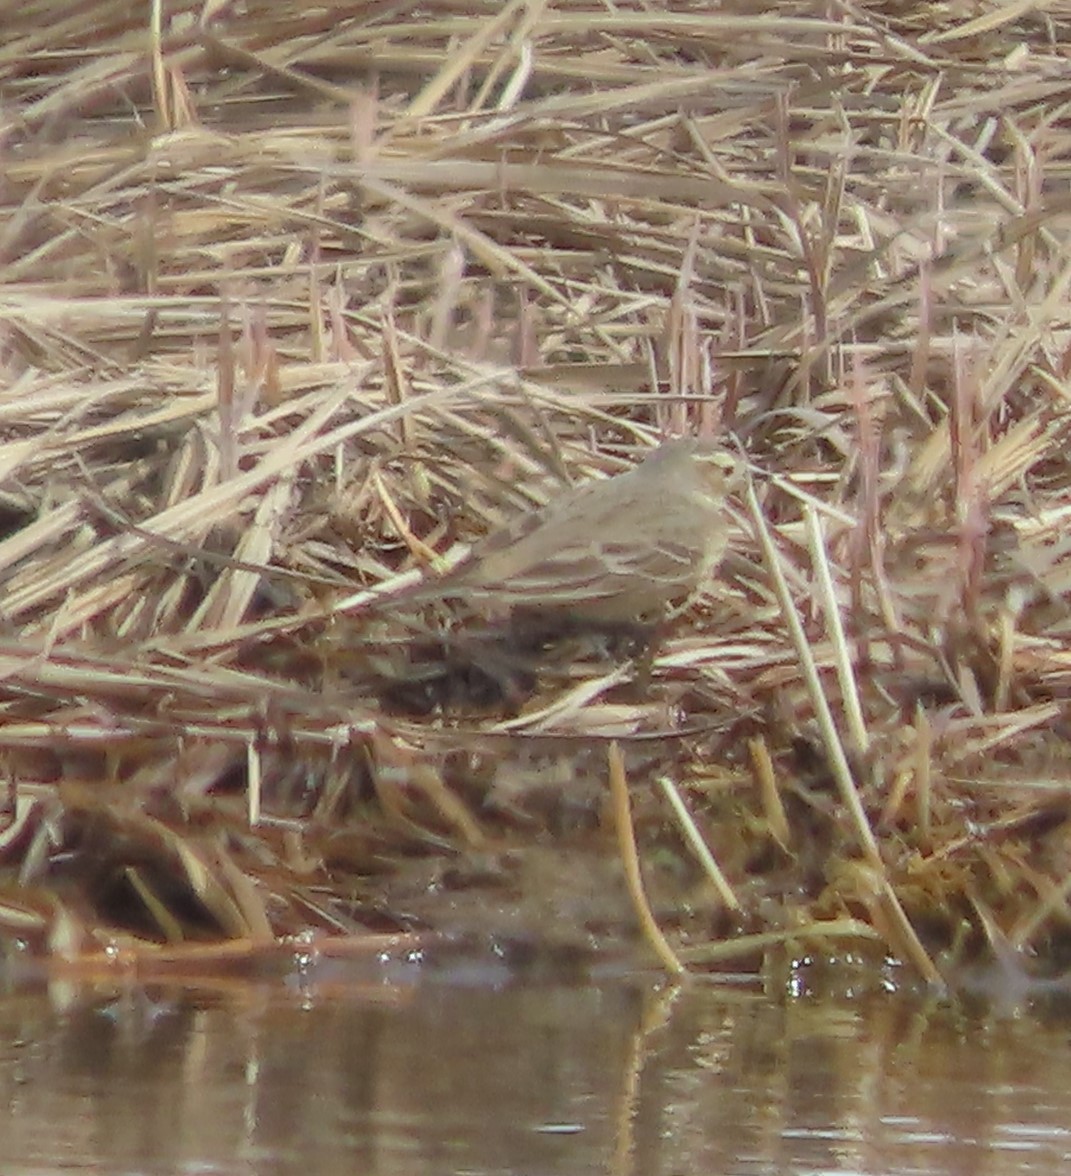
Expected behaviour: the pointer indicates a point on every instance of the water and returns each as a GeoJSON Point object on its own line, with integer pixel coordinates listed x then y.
{"type": "Point", "coordinates": [398, 1079]}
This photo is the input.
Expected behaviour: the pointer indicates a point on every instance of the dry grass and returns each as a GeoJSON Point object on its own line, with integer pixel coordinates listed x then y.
{"type": "Point", "coordinates": [328, 290]}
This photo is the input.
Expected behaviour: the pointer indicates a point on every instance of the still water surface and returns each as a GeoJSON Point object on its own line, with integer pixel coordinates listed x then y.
{"type": "Point", "coordinates": [397, 1079]}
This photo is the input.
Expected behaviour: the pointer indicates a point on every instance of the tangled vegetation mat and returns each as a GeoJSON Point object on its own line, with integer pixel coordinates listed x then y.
{"type": "Point", "coordinates": [296, 302]}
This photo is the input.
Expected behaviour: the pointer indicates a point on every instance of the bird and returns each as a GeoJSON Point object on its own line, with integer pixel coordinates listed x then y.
{"type": "Point", "coordinates": [620, 551]}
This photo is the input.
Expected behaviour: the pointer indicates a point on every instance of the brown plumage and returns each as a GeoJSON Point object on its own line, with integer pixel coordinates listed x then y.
{"type": "Point", "coordinates": [615, 551]}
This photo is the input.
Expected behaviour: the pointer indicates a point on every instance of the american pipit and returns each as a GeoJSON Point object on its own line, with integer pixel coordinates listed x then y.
{"type": "Point", "coordinates": [624, 550]}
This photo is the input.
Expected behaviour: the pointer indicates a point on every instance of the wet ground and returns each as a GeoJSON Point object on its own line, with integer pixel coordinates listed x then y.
{"type": "Point", "coordinates": [472, 1071]}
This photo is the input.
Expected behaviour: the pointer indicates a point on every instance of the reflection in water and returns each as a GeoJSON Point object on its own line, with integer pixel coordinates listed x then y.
{"type": "Point", "coordinates": [544, 1079]}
